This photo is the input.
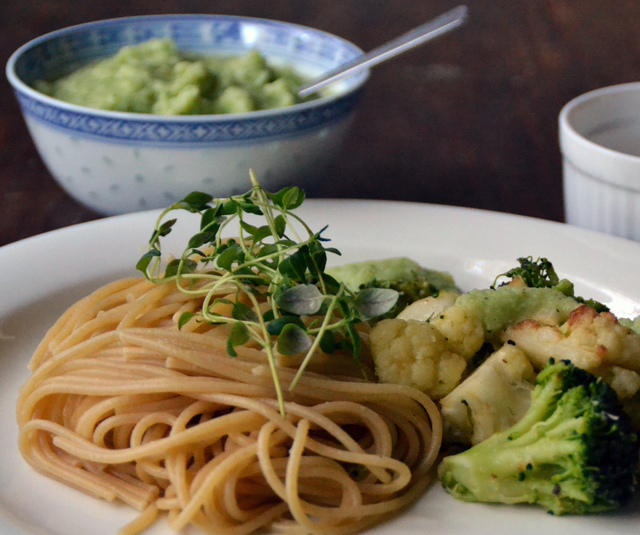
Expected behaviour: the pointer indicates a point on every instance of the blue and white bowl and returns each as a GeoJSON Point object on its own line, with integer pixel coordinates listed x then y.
{"type": "Point", "coordinates": [117, 162]}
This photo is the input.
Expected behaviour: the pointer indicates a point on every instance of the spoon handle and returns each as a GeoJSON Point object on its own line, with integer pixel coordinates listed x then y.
{"type": "Point", "coordinates": [426, 32]}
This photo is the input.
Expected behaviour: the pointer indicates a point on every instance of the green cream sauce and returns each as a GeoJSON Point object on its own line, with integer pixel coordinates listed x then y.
{"type": "Point", "coordinates": [155, 77]}
{"type": "Point", "coordinates": [506, 306]}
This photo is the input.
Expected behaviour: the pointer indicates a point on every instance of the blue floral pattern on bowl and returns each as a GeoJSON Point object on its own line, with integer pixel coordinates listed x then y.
{"type": "Point", "coordinates": [140, 131]}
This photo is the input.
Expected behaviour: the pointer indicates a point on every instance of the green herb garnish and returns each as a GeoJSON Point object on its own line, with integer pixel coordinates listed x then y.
{"type": "Point", "coordinates": [277, 260]}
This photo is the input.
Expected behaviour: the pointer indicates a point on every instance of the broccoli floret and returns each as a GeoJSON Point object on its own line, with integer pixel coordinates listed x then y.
{"type": "Point", "coordinates": [540, 273]}
{"type": "Point", "coordinates": [573, 452]}
{"type": "Point", "coordinates": [535, 274]}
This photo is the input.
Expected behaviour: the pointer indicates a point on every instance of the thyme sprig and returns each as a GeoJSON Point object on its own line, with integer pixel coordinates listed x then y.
{"type": "Point", "coordinates": [285, 302]}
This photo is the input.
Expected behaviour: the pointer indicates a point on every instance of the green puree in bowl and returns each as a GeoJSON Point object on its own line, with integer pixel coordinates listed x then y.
{"type": "Point", "coordinates": [155, 77]}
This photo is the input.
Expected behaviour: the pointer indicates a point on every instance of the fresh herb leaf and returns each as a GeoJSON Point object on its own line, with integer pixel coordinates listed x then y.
{"type": "Point", "coordinates": [374, 302]}
{"type": "Point", "coordinates": [201, 239]}
{"type": "Point", "coordinates": [294, 267]}
{"type": "Point", "coordinates": [275, 326]}
{"type": "Point", "coordinates": [243, 312]}
{"type": "Point", "coordinates": [292, 340]}
{"type": "Point", "coordinates": [328, 342]}
{"type": "Point", "coordinates": [288, 198]}
{"type": "Point", "coordinates": [176, 267]}
{"type": "Point", "coordinates": [303, 300]}
{"type": "Point", "coordinates": [165, 228]}
{"type": "Point", "coordinates": [238, 336]}
{"type": "Point", "coordinates": [185, 317]}
{"type": "Point", "coordinates": [143, 263]}
{"type": "Point", "coordinates": [195, 202]}
{"type": "Point", "coordinates": [280, 225]}
{"type": "Point", "coordinates": [230, 254]}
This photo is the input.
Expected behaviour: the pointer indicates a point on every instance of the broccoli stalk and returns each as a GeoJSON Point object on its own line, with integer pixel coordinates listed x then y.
{"type": "Point", "coordinates": [573, 452]}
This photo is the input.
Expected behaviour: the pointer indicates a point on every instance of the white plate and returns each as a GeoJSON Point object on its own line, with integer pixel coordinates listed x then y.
{"type": "Point", "coordinates": [43, 275]}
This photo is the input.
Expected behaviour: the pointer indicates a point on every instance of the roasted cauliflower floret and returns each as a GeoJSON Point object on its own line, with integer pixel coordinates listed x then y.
{"type": "Point", "coordinates": [625, 382]}
{"type": "Point", "coordinates": [461, 326]}
{"type": "Point", "coordinates": [417, 354]}
{"type": "Point", "coordinates": [428, 307]}
{"type": "Point", "coordinates": [594, 342]}
{"type": "Point", "coordinates": [493, 398]}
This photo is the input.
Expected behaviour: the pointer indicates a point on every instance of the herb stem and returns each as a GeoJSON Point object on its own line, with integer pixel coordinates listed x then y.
{"type": "Point", "coordinates": [316, 342]}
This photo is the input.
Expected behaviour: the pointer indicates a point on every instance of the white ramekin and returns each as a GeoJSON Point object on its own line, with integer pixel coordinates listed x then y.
{"type": "Point", "coordinates": [600, 143]}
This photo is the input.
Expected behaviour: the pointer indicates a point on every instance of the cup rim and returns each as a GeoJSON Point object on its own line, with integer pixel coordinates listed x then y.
{"type": "Point", "coordinates": [604, 163]}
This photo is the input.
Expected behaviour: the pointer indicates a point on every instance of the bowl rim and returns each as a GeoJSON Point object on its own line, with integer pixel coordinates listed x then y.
{"type": "Point", "coordinates": [20, 86]}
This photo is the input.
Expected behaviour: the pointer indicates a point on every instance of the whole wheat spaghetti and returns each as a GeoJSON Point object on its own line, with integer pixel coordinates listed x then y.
{"type": "Point", "coordinates": [125, 406]}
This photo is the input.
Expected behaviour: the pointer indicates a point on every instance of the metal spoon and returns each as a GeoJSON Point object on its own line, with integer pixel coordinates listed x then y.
{"type": "Point", "coordinates": [426, 32]}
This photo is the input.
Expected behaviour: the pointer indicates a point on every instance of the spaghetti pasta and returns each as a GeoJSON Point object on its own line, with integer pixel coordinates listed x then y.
{"type": "Point", "coordinates": [125, 406]}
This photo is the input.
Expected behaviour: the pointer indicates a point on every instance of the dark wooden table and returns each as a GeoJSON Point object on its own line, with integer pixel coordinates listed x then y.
{"type": "Point", "coordinates": [469, 120]}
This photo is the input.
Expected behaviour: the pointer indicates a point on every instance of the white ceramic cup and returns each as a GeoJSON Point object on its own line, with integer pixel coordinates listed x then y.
{"type": "Point", "coordinates": [600, 143]}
